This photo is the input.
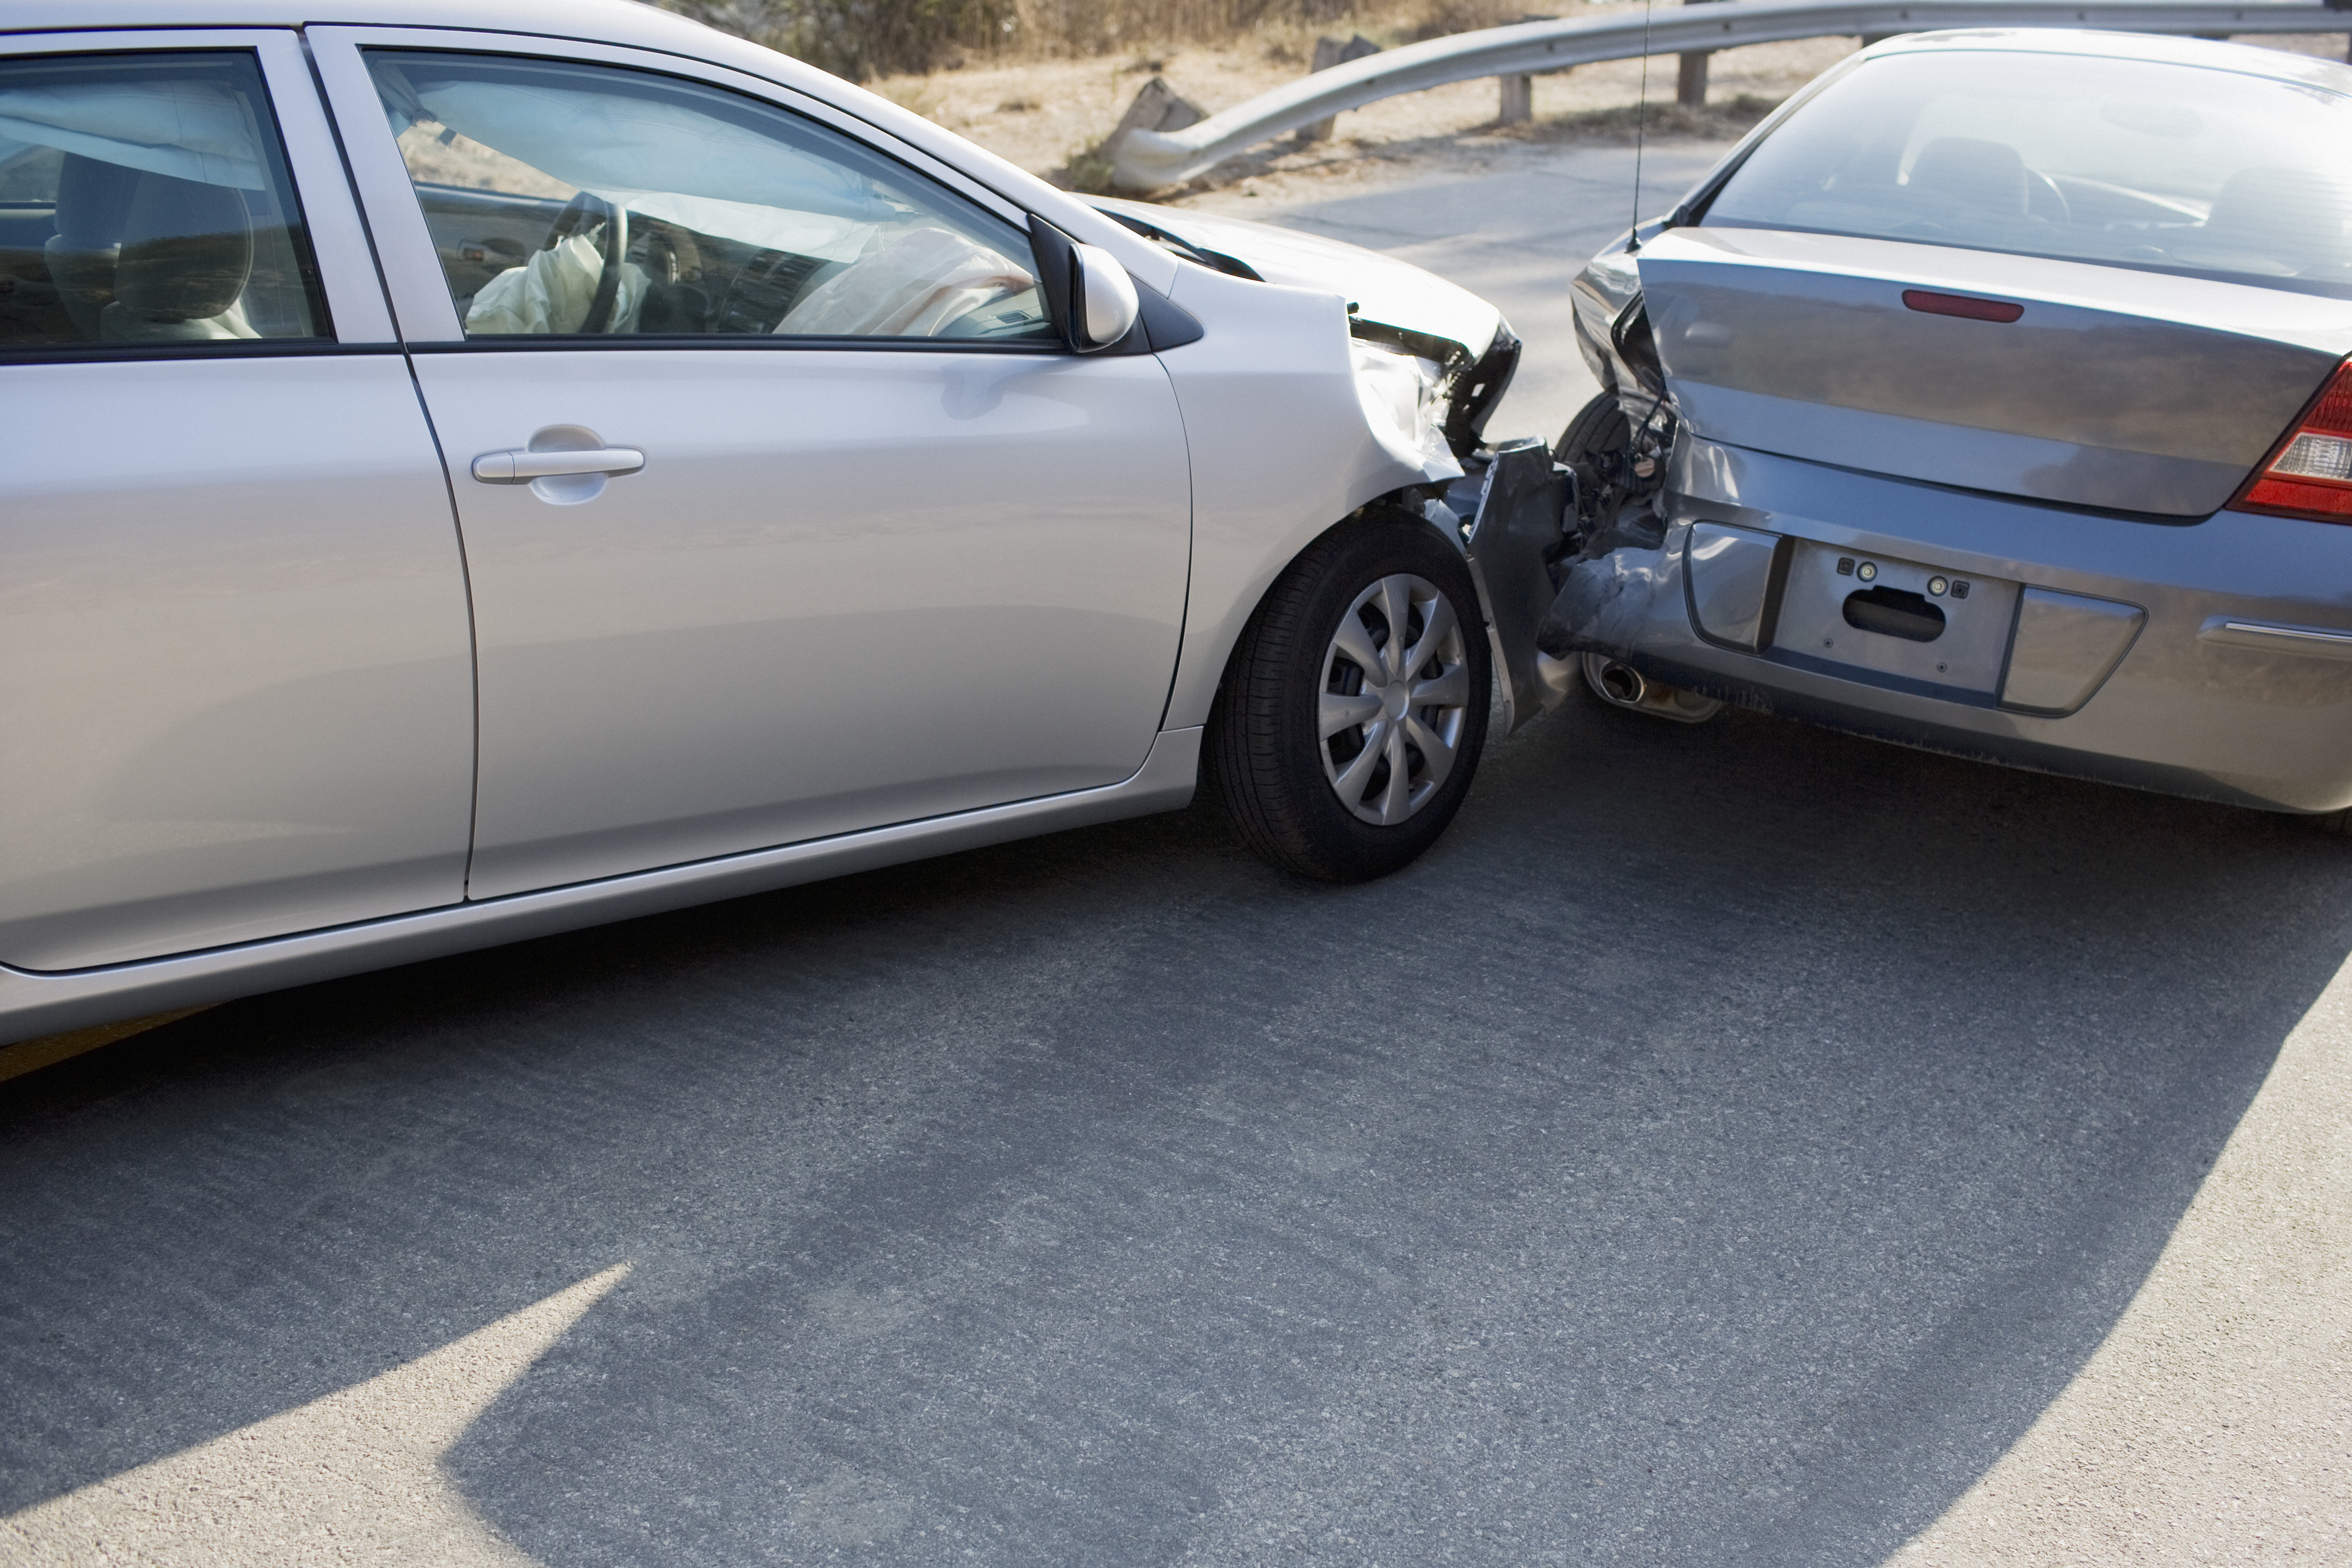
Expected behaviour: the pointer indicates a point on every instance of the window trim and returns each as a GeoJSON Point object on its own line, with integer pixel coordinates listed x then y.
{"type": "Point", "coordinates": [742, 343]}
{"type": "Point", "coordinates": [357, 317]}
{"type": "Point", "coordinates": [216, 349]}
{"type": "Point", "coordinates": [428, 317]}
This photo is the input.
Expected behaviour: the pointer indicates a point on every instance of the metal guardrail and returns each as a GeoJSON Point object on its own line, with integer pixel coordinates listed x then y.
{"type": "Point", "coordinates": [1146, 160]}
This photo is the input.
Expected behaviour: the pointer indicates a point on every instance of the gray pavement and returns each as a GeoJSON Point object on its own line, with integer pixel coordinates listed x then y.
{"type": "Point", "coordinates": [1733, 1144]}
{"type": "Point", "coordinates": [1721, 1149]}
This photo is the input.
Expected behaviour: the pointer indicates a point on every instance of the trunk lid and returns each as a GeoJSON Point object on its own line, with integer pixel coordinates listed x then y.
{"type": "Point", "coordinates": [2110, 387]}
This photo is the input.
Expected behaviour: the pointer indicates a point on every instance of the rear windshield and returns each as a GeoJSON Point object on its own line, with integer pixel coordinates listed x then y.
{"type": "Point", "coordinates": [2169, 167]}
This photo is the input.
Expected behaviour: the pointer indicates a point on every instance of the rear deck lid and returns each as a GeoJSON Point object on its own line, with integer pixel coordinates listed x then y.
{"type": "Point", "coordinates": [2060, 381]}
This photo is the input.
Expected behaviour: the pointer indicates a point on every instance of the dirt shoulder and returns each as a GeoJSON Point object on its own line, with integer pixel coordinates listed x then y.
{"type": "Point", "coordinates": [1042, 114]}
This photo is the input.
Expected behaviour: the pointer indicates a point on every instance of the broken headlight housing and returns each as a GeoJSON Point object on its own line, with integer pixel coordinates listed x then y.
{"type": "Point", "coordinates": [1460, 391]}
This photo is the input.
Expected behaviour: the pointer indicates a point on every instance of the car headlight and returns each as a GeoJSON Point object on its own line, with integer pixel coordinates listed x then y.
{"type": "Point", "coordinates": [1403, 399]}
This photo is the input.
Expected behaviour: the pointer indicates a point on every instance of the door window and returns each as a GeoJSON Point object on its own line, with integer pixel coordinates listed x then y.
{"type": "Point", "coordinates": [144, 201]}
{"type": "Point", "coordinates": [570, 199]}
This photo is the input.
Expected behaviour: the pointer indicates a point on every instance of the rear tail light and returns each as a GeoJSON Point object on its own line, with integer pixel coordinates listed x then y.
{"type": "Point", "coordinates": [2309, 472]}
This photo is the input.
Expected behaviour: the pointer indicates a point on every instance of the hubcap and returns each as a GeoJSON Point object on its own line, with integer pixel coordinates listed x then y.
{"type": "Point", "coordinates": [1395, 697]}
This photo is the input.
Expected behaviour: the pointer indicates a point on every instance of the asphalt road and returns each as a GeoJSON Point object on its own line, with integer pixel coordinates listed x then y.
{"type": "Point", "coordinates": [1733, 1144]}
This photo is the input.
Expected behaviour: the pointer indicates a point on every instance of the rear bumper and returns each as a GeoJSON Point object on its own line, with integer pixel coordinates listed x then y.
{"type": "Point", "coordinates": [2225, 685]}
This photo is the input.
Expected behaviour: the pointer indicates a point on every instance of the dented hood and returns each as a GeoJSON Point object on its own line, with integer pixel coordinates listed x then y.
{"type": "Point", "coordinates": [1384, 290]}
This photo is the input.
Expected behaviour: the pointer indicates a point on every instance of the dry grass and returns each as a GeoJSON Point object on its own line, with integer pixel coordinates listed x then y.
{"type": "Point", "coordinates": [864, 38]}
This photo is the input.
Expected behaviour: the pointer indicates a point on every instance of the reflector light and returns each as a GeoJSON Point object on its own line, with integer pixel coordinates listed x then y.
{"type": "Point", "coordinates": [2316, 457]}
{"type": "Point", "coordinates": [2309, 472]}
{"type": "Point", "coordinates": [1963, 305]}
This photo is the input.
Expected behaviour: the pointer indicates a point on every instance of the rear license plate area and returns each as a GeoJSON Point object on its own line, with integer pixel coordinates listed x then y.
{"type": "Point", "coordinates": [1883, 615]}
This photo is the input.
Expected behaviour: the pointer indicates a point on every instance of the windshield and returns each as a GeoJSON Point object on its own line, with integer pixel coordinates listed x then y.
{"type": "Point", "coordinates": [2164, 167]}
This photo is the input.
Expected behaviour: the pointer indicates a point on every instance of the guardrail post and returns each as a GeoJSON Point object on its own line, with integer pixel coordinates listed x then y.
{"type": "Point", "coordinates": [1518, 104]}
{"type": "Point", "coordinates": [1690, 80]}
{"type": "Point", "coordinates": [1330, 52]}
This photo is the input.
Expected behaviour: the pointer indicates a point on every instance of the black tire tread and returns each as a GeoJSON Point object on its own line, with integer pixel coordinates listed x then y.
{"type": "Point", "coordinates": [1588, 431]}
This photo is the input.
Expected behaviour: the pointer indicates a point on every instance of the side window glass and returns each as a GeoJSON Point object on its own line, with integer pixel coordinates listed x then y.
{"type": "Point", "coordinates": [568, 199]}
{"type": "Point", "coordinates": [144, 200]}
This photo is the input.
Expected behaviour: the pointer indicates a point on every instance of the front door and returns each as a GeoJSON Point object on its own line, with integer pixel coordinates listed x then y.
{"type": "Point", "coordinates": [864, 544]}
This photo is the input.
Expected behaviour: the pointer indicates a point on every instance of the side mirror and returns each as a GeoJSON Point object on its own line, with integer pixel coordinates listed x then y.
{"type": "Point", "coordinates": [1091, 296]}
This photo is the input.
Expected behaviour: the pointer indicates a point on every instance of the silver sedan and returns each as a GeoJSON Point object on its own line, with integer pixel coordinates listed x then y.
{"type": "Point", "coordinates": [474, 468]}
{"type": "Point", "coordinates": [1991, 397]}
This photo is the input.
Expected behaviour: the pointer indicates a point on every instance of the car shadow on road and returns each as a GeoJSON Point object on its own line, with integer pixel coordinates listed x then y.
{"type": "Point", "coordinates": [1720, 1149]}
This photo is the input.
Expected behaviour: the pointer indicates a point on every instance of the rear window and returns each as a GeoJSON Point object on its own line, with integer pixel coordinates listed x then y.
{"type": "Point", "coordinates": [2169, 167]}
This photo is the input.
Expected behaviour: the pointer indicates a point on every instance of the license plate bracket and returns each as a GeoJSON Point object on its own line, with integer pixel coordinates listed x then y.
{"type": "Point", "coordinates": [1886, 616]}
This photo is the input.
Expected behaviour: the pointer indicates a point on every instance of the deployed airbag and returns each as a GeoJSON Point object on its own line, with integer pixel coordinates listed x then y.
{"type": "Point", "coordinates": [551, 292]}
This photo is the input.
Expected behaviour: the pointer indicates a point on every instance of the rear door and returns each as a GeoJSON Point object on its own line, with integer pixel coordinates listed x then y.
{"type": "Point", "coordinates": [232, 608]}
{"type": "Point", "coordinates": [870, 546]}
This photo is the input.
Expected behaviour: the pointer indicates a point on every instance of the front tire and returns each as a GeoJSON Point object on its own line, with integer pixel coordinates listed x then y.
{"type": "Point", "coordinates": [1350, 720]}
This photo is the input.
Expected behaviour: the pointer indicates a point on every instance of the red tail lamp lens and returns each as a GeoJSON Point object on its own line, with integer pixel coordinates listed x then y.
{"type": "Point", "coordinates": [2309, 473]}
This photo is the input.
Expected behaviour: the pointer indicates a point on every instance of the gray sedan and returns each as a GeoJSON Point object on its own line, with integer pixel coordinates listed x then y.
{"type": "Point", "coordinates": [1991, 397]}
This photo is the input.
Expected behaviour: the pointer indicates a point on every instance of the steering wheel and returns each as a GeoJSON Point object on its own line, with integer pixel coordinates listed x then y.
{"type": "Point", "coordinates": [585, 211]}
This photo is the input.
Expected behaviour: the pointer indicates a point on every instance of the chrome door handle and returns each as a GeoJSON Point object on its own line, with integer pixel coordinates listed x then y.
{"type": "Point", "coordinates": [522, 467]}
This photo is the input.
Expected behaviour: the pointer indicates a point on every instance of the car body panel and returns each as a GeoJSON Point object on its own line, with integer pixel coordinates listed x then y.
{"type": "Point", "coordinates": [2126, 390]}
{"type": "Point", "coordinates": [2261, 723]}
{"type": "Point", "coordinates": [31, 1005]}
{"type": "Point", "coordinates": [1381, 289]}
{"type": "Point", "coordinates": [1271, 358]}
{"type": "Point", "coordinates": [848, 588]}
{"type": "Point", "coordinates": [260, 590]}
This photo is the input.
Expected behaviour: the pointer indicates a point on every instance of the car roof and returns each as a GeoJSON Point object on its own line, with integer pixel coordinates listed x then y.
{"type": "Point", "coordinates": [617, 21]}
{"type": "Point", "coordinates": [2243, 59]}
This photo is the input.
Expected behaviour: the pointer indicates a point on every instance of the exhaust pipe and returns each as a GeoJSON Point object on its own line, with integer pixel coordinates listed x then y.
{"type": "Point", "coordinates": [1622, 686]}
{"type": "Point", "coordinates": [1623, 683]}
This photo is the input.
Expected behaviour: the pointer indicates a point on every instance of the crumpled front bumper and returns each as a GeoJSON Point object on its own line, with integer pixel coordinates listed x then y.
{"type": "Point", "coordinates": [2212, 660]}
{"type": "Point", "coordinates": [1510, 511]}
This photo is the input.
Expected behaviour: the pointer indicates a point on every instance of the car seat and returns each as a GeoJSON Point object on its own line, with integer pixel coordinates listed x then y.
{"type": "Point", "coordinates": [187, 250]}
{"type": "Point", "coordinates": [1987, 175]}
{"type": "Point", "coordinates": [2274, 221]}
{"type": "Point", "coordinates": [93, 197]}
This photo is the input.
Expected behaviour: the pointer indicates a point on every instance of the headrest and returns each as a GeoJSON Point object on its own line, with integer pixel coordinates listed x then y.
{"type": "Point", "coordinates": [187, 250]}
{"type": "Point", "coordinates": [2290, 217]}
{"type": "Point", "coordinates": [1985, 174]}
{"type": "Point", "coordinates": [93, 198]}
